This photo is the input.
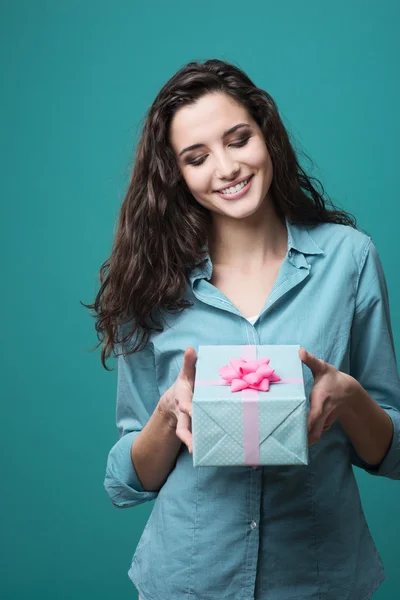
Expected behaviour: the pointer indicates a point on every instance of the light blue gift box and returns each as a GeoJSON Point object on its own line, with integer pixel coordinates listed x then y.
{"type": "Point", "coordinates": [276, 433]}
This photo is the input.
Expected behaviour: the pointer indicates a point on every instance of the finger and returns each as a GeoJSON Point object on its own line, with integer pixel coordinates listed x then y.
{"type": "Point", "coordinates": [331, 418]}
{"type": "Point", "coordinates": [316, 431]}
{"type": "Point", "coordinates": [318, 413]}
{"type": "Point", "coordinates": [315, 414]}
{"type": "Point", "coordinates": [188, 370]}
{"type": "Point", "coordinates": [316, 366]}
{"type": "Point", "coordinates": [315, 427]}
{"type": "Point", "coordinates": [183, 399]}
{"type": "Point", "coordinates": [184, 430]}
{"type": "Point", "coordinates": [329, 422]}
{"type": "Point", "coordinates": [319, 421]}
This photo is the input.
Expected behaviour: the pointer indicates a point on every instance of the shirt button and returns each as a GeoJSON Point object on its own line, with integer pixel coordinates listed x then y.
{"type": "Point", "coordinates": [253, 524]}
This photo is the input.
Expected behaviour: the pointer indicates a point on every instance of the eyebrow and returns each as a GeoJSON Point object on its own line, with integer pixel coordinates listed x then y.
{"type": "Point", "coordinates": [226, 133]}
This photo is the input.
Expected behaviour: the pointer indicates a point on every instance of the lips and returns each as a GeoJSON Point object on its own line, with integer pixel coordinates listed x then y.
{"type": "Point", "coordinates": [234, 183]}
{"type": "Point", "coordinates": [239, 194]}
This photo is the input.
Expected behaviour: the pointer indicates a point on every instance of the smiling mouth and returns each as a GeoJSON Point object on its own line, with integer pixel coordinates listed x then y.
{"type": "Point", "coordinates": [235, 188]}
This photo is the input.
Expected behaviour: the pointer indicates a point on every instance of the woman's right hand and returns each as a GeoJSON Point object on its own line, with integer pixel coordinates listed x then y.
{"type": "Point", "coordinates": [177, 400]}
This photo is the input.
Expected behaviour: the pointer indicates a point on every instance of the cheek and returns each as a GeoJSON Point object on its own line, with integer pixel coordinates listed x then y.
{"type": "Point", "coordinates": [262, 157]}
{"type": "Point", "coordinates": [265, 167]}
{"type": "Point", "coordinates": [256, 152]}
{"type": "Point", "coordinates": [269, 166]}
{"type": "Point", "coordinates": [198, 181]}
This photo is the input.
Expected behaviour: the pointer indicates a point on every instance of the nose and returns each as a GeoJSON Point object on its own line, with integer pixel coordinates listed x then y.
{"type": "Point", "coordinates": [226, 167]}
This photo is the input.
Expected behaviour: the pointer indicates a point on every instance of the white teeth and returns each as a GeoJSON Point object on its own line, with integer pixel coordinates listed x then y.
{"type": "Point", "coordinates": [236, 188]}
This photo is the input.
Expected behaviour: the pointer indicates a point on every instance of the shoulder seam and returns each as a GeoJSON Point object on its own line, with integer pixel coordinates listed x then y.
{"type": "Point", "coordinates": [362, 262]}
{"type": "Point", "coordinates": [153, 352]}
{"type": "Point", "coordinates": [364, 255]}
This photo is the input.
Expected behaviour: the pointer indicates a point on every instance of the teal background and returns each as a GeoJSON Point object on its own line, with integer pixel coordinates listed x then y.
{"type": "Point", "coordinates": [77, 78]}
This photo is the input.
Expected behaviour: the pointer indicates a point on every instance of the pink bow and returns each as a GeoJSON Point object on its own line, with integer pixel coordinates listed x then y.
{"type": "Point", "coordinates": [253, 374]}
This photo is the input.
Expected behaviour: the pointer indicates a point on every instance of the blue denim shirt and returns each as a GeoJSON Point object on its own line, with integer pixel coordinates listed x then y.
{"type": "Point", "coordinates": [274, 532]}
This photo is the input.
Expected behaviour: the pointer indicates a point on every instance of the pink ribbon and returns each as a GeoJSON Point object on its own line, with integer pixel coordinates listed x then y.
{"type": "Point", "coordinates": [243, 374]}
{"type": "Point", "coordinates": [251, 428]}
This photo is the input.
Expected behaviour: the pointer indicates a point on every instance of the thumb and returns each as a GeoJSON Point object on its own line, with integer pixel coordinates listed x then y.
{"type": "Point", "coordinates": [315, 365]}
{"type": "Point", "coordinates": [188, 370]}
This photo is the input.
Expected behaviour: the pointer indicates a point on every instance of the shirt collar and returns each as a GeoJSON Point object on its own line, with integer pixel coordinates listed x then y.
{"type": "Point", "coordinates": [299, 239]}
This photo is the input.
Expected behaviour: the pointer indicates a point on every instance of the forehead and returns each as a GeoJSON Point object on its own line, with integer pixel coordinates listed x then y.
{"type": "Point", "coordinates": [209, 116]}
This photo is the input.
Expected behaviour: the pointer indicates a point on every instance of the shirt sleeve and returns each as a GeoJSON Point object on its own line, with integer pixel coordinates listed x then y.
{"type": "Point", "coordinates": [372, 356]}
{"type": "Point", "coordinates": [137, 397]}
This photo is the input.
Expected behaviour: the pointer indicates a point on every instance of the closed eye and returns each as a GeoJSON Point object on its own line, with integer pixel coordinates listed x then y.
{"type": "Point", "coordinates": [239, 144]}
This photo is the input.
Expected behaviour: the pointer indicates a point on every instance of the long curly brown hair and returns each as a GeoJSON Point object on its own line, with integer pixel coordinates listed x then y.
{"type": "Point", "coordinates": [162, 230]}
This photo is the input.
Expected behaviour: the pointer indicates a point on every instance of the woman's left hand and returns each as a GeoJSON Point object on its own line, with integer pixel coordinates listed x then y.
{"type": "Point", "coordinates": [330, 396]}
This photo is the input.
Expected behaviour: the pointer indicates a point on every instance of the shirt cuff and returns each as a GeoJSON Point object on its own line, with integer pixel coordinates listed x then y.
{"type": "Point", "coordinates": [390, 464]}
{"type": "Point", "coordinates": [121, 481]}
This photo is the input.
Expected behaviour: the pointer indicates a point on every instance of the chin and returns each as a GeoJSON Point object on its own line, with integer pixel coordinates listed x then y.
{"type": "Point", "coordinates": [243, 212]}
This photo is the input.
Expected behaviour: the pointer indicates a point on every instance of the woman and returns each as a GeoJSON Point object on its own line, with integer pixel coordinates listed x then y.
{"type": "Point", "coordinates": [224, 239]}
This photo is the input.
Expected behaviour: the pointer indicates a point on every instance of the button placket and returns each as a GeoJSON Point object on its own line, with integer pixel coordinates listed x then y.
{"type": "Point", "coordinates": [253, 514]}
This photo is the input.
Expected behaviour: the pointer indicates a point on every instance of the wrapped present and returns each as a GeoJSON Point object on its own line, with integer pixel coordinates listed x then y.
{"type": "Point", "coordinates": [249, 406]}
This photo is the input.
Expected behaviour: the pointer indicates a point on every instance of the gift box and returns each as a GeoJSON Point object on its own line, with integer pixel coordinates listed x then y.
{"type": "Point", "coordinates": [249, 406]}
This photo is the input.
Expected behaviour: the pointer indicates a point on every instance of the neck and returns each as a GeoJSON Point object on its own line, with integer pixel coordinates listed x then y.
{"type": "Point", "coordinates": [247, 244]}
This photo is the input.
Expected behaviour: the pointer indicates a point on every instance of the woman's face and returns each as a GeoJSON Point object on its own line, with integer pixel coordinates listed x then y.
{"type": "Point", "coordinates": [219, 145]}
